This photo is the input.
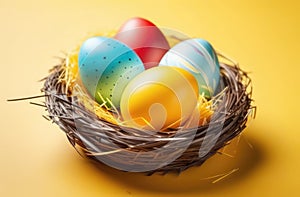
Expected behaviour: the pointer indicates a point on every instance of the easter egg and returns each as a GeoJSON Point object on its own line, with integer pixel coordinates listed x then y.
{"type": "Point", "coordinates": [159, 98]}
{"type": "Point", "coordinates": [106, 66]}
{"type": "Point", "coordinates": [199, 58]}
{"type": "Point", "coordinates": [145, 39]}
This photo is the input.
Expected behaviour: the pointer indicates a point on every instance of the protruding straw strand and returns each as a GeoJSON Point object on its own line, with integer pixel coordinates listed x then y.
{"type": "Point", "coordinates": [26, 98]}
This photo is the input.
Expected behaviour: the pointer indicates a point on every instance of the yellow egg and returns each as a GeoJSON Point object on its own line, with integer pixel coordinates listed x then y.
{"type": "Point", "coordinates": [159, 98]}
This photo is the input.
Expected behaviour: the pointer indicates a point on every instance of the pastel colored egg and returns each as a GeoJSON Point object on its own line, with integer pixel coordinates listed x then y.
{"type": "Point", "coordinates": [159, 98]}
{"type": "Point", "coordinates": [106, 66]}
{"type": "Point", "coordinates": [145, 39]}
{"type": "Point", "coordinates": [199, 58]}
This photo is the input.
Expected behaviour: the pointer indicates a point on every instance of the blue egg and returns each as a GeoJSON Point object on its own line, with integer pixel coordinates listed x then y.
{"type": "Point", "coordinates": [198, 57]}
{"type": "Point", "coordinates": [106, 66]}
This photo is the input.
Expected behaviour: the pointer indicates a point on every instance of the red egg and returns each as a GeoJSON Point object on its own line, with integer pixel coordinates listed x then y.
{"type": "Point", "coordinates": [145, 39]}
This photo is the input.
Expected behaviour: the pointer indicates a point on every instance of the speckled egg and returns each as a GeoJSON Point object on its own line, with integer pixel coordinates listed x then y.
{"type": "Point", "coordinates": [106, 66]}
{"type": "Point", "coordinates": [199, 58]}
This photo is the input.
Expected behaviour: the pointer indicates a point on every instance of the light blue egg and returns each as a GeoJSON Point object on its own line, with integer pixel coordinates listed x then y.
{"type": "Point", "coordinates": [199, 58]}
{"type": "Point", "coordinates": [106, 66]}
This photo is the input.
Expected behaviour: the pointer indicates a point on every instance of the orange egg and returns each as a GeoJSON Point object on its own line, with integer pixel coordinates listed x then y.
{"type": "Point", "coordinates": [159, 98]}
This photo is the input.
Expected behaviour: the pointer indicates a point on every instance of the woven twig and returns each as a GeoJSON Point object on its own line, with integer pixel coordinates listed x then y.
{"type": "Point", "coordinates": [99, 139]}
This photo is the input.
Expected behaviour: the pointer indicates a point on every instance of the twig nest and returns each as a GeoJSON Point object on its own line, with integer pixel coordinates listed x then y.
{"type": "Point", "coordinates": [139, 114]}
{"type": "Point", "coordinates": [105, 141]}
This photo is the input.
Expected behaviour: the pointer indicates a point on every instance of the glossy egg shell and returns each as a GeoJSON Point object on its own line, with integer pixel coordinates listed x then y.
{"type": "Point", "coordinates": [198, 57]}
{"type": "Point", "coordinates": [145, 39]}
{"type": "Point", "coordinates": [106, 66]}
{"type": "Point", "coordinates": [161, 96]}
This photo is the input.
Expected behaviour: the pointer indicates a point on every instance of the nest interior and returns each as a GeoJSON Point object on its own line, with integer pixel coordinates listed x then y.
{"type": "Point", "coordinates": [134, 150]}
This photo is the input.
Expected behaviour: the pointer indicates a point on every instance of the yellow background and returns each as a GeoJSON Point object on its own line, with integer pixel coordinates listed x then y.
{"type": "Point", "coordinates": [36, 159]}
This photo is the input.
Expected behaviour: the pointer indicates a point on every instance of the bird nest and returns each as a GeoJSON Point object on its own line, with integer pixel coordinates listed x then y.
{"type": "Point", "coordinates": [94, 130]}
